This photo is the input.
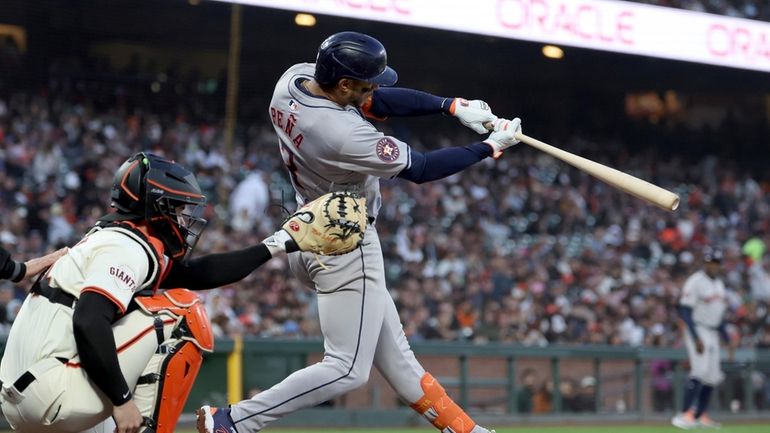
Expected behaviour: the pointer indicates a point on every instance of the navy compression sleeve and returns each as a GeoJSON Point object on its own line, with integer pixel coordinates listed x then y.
{"type": "Point", "coordinates": [402, 102]}
{"type": "Point", "coordinates": [441, 163]}
{"type": "Point", "coordinates": [215, 270]}
{"type": "Point", "coordinates": [686, 314]}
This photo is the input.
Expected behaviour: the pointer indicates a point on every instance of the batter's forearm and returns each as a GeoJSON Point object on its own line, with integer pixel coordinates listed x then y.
{"type": "Point", "coordinates": [216, 270]}
{"type": "Point", "coordinates": [438, 164]}
{"type": "Point", "coordinates": [402, 102]}
{"type": "Point", "coordinates": [92, 326]}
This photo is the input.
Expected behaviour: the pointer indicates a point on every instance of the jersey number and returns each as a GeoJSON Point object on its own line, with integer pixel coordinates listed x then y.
{"type": "Point", "coordinates": [291, 166]}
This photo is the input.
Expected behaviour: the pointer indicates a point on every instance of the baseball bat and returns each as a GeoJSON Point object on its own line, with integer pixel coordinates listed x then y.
{"type": "Point", "coordinates": [639, 188]}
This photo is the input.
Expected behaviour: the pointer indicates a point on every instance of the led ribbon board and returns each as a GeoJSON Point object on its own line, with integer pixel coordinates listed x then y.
{"type": "Point", "coordinates": [606, 25]}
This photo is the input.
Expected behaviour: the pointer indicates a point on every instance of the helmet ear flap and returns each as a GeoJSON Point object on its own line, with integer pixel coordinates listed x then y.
{"type": "Point", "coordinates": [128, 193]}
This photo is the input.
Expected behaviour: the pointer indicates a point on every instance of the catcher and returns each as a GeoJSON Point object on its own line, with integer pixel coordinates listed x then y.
{"type": "Point", "coordinates": [96, 347]}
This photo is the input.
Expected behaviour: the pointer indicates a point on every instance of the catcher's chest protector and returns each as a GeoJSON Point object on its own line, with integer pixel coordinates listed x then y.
{"type": "Point", "coordinates": [165, 384]}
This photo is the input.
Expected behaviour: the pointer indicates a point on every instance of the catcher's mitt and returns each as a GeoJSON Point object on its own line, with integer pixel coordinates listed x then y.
{"type": "Point", "coordinates": [332, 224]}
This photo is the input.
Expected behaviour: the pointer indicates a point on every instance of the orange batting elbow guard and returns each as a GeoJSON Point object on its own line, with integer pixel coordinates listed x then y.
{"type": "Point", "coordinates": [439, 409]}
{"type": "Point", "coordinates": [367, 109]}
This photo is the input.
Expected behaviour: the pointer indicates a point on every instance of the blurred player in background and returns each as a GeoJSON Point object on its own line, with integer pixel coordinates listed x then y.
{"type": "Point", "coordinates": [94, 345]}
{"type": "Point", "coordinates": [17, 271]}
{"type": "Point", "coordinates": [319, 112]}
{"type": "Point", "coordinates": [702, 308]}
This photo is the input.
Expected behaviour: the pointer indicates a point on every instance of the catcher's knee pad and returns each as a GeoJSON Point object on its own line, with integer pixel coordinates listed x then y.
{"type": "Point", "coordinates": [439, 409]}
{"type": "Point", "coordinates": [166, 382]}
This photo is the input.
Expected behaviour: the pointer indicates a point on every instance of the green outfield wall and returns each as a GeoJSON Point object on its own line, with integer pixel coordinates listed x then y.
{"type": "Point", "coordinates": [488, 381]}
{"type": "Point", "coordinates": [488, 378]}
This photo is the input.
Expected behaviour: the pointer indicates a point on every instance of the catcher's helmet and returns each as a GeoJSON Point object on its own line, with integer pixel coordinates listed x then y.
{"type": "Point", "coordinates": [166, 195]}
{"type": "Point", "coordinates": [353, 55]}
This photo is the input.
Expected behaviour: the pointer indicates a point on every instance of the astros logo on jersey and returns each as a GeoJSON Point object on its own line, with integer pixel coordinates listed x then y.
{"type": "Point", "coordinates": [387, 150]}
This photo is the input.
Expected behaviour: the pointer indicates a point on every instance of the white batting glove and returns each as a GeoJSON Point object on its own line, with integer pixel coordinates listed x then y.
{"type": "Point", "coordinates": [502, 137]}
{"type": "Point", "coordinates": [473, 114]}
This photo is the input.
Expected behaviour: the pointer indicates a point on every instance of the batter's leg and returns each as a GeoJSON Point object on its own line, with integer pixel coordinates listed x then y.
{"type": "Point", "coordinates": [397, 363]}
{"type": "Point", "coordinates": [394, 357]}
{"type": "Point", "coordinates": [351, 318]}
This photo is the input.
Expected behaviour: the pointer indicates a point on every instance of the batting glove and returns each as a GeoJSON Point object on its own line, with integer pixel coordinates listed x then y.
{"type": "Point", "coordinates": [473, 114]}
{"type": "Point", "coordinates": [503, 136]}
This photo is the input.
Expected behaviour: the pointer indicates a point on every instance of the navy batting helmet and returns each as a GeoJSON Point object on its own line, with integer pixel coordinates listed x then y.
{"type": "Point", "coordinates": [353, 55]}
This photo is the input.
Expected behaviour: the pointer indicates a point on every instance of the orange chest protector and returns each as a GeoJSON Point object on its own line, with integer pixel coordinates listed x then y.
{"type": "Point", "coordinates": [166, 382]}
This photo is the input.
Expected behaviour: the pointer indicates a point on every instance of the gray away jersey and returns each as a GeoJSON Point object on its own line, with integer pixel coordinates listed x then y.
{"type": "Point", "coordinates": [327, 147]}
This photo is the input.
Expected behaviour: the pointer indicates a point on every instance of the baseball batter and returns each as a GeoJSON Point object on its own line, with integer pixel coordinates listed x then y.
{"type": "Point", "coordinates": [88, 350]}
{"type": "Point", "coordinates": [702, 308]}
{"type": "Point", "coordinates": [319, 112]}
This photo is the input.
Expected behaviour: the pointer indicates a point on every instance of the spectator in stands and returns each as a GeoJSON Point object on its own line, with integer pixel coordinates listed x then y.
{"type": "Point", "coordinates": [586, 395]}
{"type": "Point", "coordinates": [526, 393]}
{"type": "Point", "coordinates": [541, 401]}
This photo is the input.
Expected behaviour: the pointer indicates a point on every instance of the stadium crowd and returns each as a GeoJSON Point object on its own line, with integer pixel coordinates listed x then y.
{"type": "Point", "coordinates": [522, 250]}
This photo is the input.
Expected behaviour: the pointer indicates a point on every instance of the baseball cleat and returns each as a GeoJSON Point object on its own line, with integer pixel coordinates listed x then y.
{"type": "Point", "coordinates": [685, 421]}
{"type": "Point", "coordinates": [479, 429]}
{"type": "Point", "coordinates": [706, 421]}
{"type": "Point", "coordinates": [214, 420]}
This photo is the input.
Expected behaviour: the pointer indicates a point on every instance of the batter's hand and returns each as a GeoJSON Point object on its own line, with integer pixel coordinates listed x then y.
{"type": "Point", "coordinates": [503, 135]}
{"type": "Point", "coordinates": [35, 266]}
{"type": "Point", "coordinates": [473, 114]}
{"type": "Point", "coordinates": [698, 345]}
{"type": "Point", "coordinates": [127, 418]}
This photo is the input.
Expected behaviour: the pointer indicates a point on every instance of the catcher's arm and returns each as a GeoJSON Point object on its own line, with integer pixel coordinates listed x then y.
{"type": "Point", "coordinates": [332, 224]}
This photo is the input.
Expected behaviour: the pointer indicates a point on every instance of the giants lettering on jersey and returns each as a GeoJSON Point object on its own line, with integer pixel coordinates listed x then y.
{"type": "Point", "coordinates": [124, 275]}
{"type": "Point", "coordinates": [288, 127]}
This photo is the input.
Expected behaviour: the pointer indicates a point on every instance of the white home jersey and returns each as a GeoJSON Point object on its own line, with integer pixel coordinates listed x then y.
{"type": "Point", "coordinates": [107, 261]}
{"type": "Point", "coordinates": [346, 153]}
{"type": "Point", "coordinates": [706, 297]}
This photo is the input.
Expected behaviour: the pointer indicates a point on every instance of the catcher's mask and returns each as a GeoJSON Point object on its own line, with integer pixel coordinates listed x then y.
{"type": "Point", "coordinates": [166, 195]}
